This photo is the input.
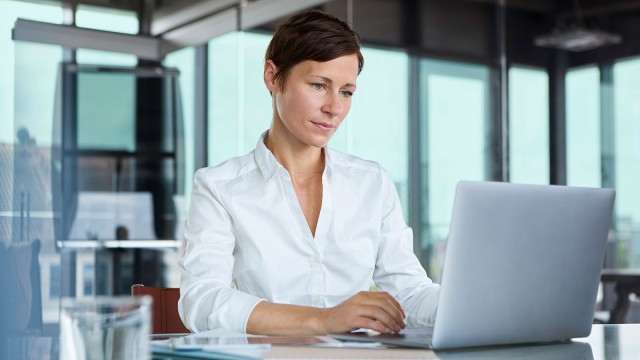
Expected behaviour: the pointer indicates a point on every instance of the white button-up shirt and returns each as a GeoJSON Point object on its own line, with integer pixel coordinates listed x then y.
{"type": "Point", "coordinates": [247, 240]}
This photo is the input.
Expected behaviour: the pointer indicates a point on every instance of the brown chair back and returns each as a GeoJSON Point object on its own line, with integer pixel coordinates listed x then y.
{"type": "Point", "coordinates": [164, 313]}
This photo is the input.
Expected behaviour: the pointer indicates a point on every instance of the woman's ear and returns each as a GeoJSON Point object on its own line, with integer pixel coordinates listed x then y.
{"type": "Point", "coordinates": [270, 71]}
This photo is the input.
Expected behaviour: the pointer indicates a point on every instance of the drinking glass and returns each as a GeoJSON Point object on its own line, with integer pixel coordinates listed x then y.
{"type": "Point", "coordinates": [105, 328]}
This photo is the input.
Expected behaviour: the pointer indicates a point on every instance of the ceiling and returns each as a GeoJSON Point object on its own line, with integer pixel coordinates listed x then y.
{"type": "Point", "coordinates": [464, 29]}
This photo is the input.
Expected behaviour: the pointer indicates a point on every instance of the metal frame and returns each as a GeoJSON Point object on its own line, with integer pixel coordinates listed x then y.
{"type": "Point", "coordinates": [169, 18]}
{"type": "Point", "coordinates": [263, 11]}
{"type": "Point", "coordinates": [415, 154]}
{"type": "Point", "coordinates": [73, 37]}
{"type": "Point", "coordinates": [201, 128]}
{"type": "Point", "coordinates": [118, 244]}
{"type": "Point", "coordinates": [558, 120]}
{"type": "Point", "coordinates": [200, 32]}
{"type": "Point", "coordinates": [193, 25]}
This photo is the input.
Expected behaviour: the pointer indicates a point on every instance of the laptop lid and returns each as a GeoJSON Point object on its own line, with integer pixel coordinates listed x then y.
{"type": "Point", "coordinates": [522, 264]}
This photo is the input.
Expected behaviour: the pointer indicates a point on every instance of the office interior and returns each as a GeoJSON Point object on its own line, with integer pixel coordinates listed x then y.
{"type": "Point", "coordinates": [108, 107]}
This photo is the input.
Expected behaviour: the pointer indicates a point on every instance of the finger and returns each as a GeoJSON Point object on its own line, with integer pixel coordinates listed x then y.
{"type": "Point", "coordinates": [399, 315]}
{"type": "Point", "coordinates": [394, 302]}
{"type": "Point", "coordinates": [385, 296]}
{"type": "Point", "coordinates": [374, 325]}
{"type": "Point", "coordinates": [389, 304]}
{"type": "Point", "coordinates": [381, 315]}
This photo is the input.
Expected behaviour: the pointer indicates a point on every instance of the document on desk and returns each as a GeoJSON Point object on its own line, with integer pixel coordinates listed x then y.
{"type": "Point", "coordinates": [229, 345]}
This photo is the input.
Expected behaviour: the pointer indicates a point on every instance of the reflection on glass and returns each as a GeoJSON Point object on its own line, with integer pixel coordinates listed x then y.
{"type": "Point", "coordinates": [454, 125]}
{"type": "Point", "coordinates": [528, 126]}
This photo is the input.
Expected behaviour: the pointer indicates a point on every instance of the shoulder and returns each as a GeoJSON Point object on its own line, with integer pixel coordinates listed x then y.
{"type": "Point", "coordinates": [230, 169]}
{"type": "Point", "coordinates": [355, 164]}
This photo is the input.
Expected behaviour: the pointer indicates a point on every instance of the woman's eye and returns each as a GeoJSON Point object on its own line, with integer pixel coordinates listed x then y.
{"type": "Point", "coordinates": [317, 86]}
{"type": "Point", "coordinates": [346, 93]}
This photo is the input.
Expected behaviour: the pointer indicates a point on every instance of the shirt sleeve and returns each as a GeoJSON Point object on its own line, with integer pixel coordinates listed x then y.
{"type": "Point", "coordinates": [207, 299]}
{"type": "Point", "coordinates": [398, 270]}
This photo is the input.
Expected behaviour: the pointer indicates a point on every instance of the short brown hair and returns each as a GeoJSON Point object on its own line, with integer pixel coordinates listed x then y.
{"type": "Point", "coordinates": [311, 35]}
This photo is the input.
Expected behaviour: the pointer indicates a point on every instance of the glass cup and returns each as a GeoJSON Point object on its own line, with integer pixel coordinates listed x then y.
{"type": "Point", "coordinates": [105, 328]}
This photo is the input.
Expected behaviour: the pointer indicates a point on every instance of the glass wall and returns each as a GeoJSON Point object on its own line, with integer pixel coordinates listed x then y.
{"type": "Point", "coordinates": [454, 146]}
{"type": "Point", "coordinates": [377, 125]}
{"type": "Point", "coordinates": [583, 127]}
{"type": "Point", "coordinates": [239, 103]}
{"type": "Point", "coordinates": [626, 130]}
{"type": "Point", "coordinates": [455, 109]}
{"type": "Point", "coordinates": [603, 113]}
{"type": "Point", "coordinates": [528, 125]}
{"type": "Point", "coordinates": [184, 61]}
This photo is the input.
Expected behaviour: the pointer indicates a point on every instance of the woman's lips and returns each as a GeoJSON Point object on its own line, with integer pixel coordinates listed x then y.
{"type": "Point", "coordinates": [324, 126]}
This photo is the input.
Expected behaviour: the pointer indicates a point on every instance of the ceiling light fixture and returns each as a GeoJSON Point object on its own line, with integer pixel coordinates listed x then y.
{"type": "Point", "coordinates": [577, 38]}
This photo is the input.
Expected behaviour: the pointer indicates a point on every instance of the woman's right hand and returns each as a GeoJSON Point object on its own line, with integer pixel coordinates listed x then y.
{"type": "Point", "coordinates": [377, 311]}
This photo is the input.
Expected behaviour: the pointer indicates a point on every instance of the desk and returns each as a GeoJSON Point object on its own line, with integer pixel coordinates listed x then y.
{"type": "Point", "coordinates": [607, 341]}
{"type": "Point", "coordinates": [610, 342]}
{"type": "Point", "coordinates": [626, 281]}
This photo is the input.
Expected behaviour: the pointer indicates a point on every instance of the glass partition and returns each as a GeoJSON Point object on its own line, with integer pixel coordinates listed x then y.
{"type": "Point", "coordinates": [120, 168]}
{"type": "Point", "coordinates": [33, 186]}
{"type": "Point", "coordinates": [81, 170]}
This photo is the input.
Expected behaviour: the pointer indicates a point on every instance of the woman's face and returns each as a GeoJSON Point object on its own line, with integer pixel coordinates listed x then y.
{"type": "Point", "coordinates": [314, 98]}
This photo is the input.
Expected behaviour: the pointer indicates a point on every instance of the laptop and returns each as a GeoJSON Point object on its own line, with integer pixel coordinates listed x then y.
{"type": "Point", "coordinates": [522, 265]}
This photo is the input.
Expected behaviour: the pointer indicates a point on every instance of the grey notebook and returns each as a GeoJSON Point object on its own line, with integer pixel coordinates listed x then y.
{"type": "Point", "coordinates": [522, 265]}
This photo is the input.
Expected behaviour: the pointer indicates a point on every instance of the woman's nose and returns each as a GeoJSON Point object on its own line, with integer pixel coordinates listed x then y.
{"type": "Point", "coordinates": [332, 105]}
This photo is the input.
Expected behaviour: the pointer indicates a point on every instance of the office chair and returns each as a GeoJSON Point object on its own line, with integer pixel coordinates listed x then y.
{"type": "Point", "coordinates": [164, 312]}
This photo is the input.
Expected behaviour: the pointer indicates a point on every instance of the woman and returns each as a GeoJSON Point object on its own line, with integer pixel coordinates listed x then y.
{"type": "Point", "coordinates": [288, 238]}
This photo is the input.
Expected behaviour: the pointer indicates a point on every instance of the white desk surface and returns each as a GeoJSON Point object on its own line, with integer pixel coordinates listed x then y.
{"type": "Point", "coordinates": [610, 342]}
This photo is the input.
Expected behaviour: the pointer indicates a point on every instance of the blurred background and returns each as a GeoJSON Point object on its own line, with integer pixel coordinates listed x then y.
{"type": "Point", "coordinates": [107, 108]}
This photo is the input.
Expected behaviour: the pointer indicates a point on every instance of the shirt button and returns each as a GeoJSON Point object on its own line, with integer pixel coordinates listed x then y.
{"type": "Point", "coordinates": [316, 300]}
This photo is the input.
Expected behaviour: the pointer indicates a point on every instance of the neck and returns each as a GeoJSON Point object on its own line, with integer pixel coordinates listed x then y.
{"type": "Point", "coordinates": [301, 160]}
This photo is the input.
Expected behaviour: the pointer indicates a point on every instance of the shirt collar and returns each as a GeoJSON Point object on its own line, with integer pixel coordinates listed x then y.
{"type": "Point", "coordinates": [269, 165]}
{"type": "Point", "coordinates": [264, 158]}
